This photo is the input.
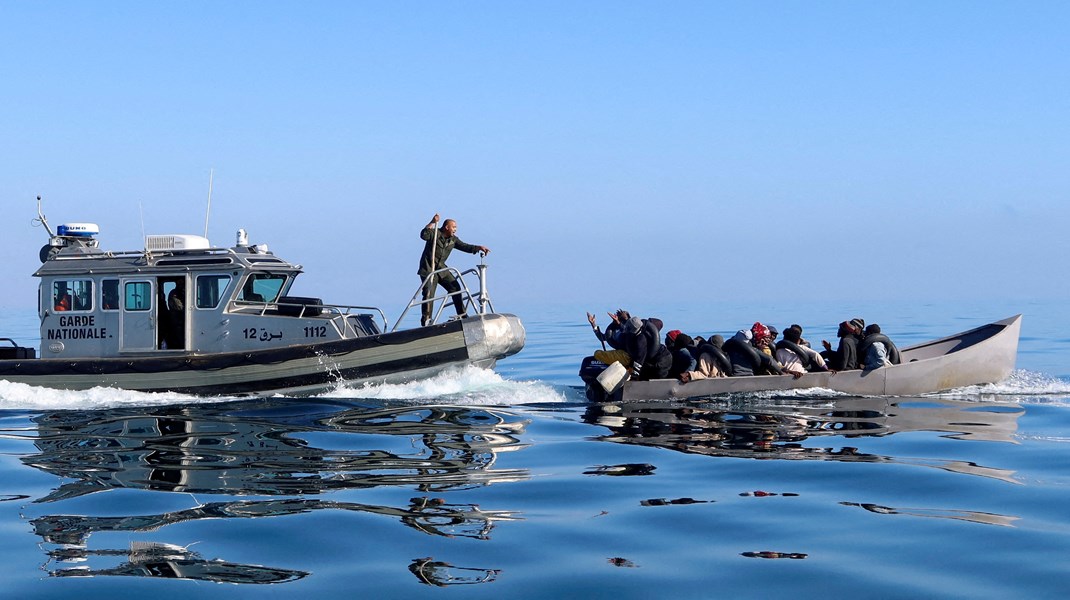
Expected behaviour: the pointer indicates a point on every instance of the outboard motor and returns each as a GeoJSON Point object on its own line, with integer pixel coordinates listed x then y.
{"type": "Point", "coordinates": [590, 369]}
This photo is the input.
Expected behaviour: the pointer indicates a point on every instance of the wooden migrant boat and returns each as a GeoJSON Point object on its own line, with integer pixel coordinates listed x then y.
{"type": "Point", "coordinates": [982, 355]}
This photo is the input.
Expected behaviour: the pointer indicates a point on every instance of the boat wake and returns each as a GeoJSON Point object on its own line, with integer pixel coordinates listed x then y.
{"type": "Point", "coordinates": [1021, 386]}
{"type": "Point", "coordinates": [468, 385]}
{"type": "Point", "coordinates": [16, 396]}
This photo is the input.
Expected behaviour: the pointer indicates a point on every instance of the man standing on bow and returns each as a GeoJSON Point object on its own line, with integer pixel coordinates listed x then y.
{"type": "Point", "coordinates": [439, 243]}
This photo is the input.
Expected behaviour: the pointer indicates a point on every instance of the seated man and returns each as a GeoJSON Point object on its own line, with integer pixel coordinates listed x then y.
{"type": "Point", "coordinates": [748, 359]}
{"type": "Point", "coordinates": [710, 361]}
{"type": "Point", "coordinates": [876, 350]}
{"type": "Point", "coordinates": [796, 357]}
{"type": "Point", "coordinates": [681, 347]}
{"type": "Point", "coordinates": [614, 336]}
{"type": "Point", "coordinates": [845, 357]}
{"type": "Point", "coordinates": [650, 358]}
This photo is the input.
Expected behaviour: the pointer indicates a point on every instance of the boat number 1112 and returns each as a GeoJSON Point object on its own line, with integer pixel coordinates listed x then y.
{"type": "Point", "coordinates": [316, 331]}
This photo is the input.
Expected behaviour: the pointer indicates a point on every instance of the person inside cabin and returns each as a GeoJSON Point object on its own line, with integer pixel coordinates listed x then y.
{"type": "Point", "coordinates": [63, 298]}
{"type": "Point", "coordinates": [110, 296]}
{"type": "Point", "coordinates": [439, 244]}
{"type": "Point", "coordinates": [248, 294]}
{"type": "Point", "coordinates": [176, 321]}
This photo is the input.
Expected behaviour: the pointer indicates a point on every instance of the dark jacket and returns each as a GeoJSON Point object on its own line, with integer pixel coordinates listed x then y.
{"type": "Point", "coordinates": [650, 358]}
{"type": "Point", "coordinates": [441, 251]}
{"type": "Point", "coordinates": [748, 360]}
{"type": "Point", "coordinates": [845, 357]}
{"type": "Point", "coordinates": [613, 335]}
{"type": "Point", "coordinates": [683, 360]}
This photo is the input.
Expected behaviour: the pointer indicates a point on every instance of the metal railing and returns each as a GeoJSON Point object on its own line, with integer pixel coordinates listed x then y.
{"type": "Point", "coordinates": [479, 302]}
{"type": "Point", "coordinates": [335, 313]}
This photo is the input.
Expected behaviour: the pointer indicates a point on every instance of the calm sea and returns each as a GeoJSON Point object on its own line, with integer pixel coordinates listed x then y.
{"type": "Point", "coordinates": [507, 484]}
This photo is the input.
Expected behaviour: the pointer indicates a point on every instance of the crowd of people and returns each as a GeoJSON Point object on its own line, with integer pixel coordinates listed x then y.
{"type": "Point", "coordinates": [637, 344]}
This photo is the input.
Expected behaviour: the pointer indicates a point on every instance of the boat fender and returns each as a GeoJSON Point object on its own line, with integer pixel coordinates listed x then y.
{"type": "Point", "coordinates": [893, 352]}
{"type": "Point", "coordinates": [804, 358]}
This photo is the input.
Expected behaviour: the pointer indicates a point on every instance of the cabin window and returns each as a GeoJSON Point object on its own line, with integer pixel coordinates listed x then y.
{"type": "Point", "coordinates": [137, 295]}
{"type": "Point", "coordinates": [109, 294]}
{"type": "Point", "coordinates": [72, 295]}
{"type": "Point", "coordinates": [210, 289]}
{"type": "Point", "coordinates": [263, 287]}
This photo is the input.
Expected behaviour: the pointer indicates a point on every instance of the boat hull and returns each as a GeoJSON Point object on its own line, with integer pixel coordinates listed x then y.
{"type": "Point", "coordinates": [303, 369]}
{"type": "Point", "coordinates": [983, 355]}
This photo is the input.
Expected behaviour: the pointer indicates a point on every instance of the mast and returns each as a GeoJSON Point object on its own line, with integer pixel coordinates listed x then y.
{"type": "Point", "coordinates": [208, 212]}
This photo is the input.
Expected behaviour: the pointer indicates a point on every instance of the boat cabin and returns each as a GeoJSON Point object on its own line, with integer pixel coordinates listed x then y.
{"type": "Point", "coordinates": [178, 295]}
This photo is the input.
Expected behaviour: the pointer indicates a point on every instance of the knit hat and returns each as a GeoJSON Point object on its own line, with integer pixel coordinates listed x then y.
{"type": "Point", "coordinates": [671, 336]}
{"type": "Point", "coordinates": [717, 340]}
{"type": "Point", "coordinates": [858, 324]}
{"type": "Point", "coordinates": [683, 341]}
{"type": "Point", "coordinates": [633, 325]}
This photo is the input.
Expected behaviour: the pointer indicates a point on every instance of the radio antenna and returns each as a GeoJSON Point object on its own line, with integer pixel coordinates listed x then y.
{"type": "Point", "coordinates": [144, 238]}
{"type": "Point", "coordinates": [41, 220]}
{"type": "Point", "coordinates": [207, 213]}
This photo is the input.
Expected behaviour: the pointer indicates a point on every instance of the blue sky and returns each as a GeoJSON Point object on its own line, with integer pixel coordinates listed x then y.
{"type": "Point", "coordinates": [605, 151]}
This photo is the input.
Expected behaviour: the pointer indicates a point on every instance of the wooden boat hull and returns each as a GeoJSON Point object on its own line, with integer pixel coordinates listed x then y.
{"type": "Point", "coordinates": [982, 355]}
{"type": "Point", "coordinates": [302, 369]}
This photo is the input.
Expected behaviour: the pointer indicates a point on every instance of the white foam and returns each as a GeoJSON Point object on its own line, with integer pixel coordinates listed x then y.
{"type": "Point", "coordinates": [470, 385]}
{"type": "Point", "coordinates": [23, 396]}
{"type": "Point", "coordinates": [1020, 383]}
{"type": "Point", "coordinates": [815, 392]}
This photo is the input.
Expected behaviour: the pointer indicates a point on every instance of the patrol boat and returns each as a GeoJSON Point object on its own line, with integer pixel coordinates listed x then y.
{"type": "Point", "coordinates": [183, 316]}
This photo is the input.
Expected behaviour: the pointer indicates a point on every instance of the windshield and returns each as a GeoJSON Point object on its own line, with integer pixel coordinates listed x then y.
{"type": "Point", "coordinates": [263, 287]}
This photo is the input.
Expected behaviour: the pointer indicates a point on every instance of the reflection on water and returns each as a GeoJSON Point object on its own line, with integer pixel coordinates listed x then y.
{"type": "Point", "coordinates": [268, 448]}
{"type": "Point", "coordinates": [264, 450]}
{"type": "Point", "coordinates": [777, 430]}
{"type": "Point", "coordinates": [959, 515]}
{"type": "Point", "coordinates": [168, 562]}
{"type": "Point", "coordinates": [440, 574]}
